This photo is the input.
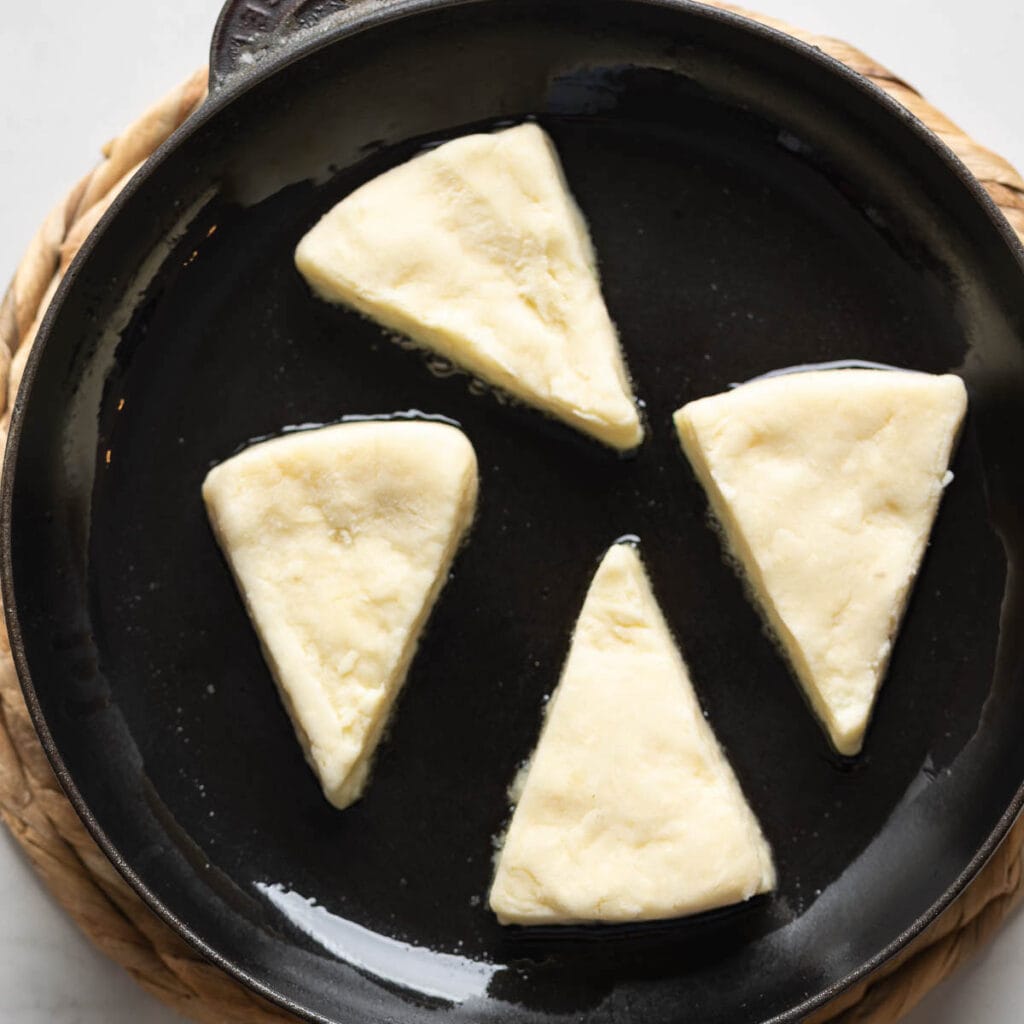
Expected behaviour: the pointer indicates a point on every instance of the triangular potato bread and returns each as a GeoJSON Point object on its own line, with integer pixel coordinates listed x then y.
{"type": "Point", "coordinates": [477, 251]}
{"type": "Point", "coordinates": [340, 540]}
{"type": "Point", "coordinates": [826, 484]}
{"type": "Point", "coordinates": [629, 810]}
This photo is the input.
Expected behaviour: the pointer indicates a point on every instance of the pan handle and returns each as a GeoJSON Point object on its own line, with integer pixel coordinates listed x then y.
{"type": "Point", "coordinates": [248, 31]}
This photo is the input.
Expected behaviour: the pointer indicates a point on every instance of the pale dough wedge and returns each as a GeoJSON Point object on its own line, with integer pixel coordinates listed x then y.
{"type": "Point", "coordinates": [629, 810]}
{"type": "Point", "coordinates": [477, 250]}
{"type": "Point", "coordinates": [826, 484]}
{"type": "Point", "coordinates": [340, 540]}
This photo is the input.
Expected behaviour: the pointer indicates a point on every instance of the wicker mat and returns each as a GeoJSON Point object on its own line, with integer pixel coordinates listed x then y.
{"type": "Point", "coordinates": [65, 856]}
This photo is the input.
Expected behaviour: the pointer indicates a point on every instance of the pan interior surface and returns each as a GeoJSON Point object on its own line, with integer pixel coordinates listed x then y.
{"type": "Point", "coordinates": [751, 209]}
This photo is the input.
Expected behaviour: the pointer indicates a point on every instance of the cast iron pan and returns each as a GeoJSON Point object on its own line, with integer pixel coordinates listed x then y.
{"type": "Point", "coordinates": [754, 206]}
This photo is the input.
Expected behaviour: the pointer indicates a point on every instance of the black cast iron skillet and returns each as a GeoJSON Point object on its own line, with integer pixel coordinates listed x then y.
{"type": "Point", "coordinates": [754, 206]}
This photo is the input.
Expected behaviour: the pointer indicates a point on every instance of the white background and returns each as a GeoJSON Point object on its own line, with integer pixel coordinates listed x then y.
{"type": "Point", "coordinates": [73, 74]}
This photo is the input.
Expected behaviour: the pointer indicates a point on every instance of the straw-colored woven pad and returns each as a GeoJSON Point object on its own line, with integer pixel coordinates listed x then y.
{"type": "Point", "coordinates": [66, 858]}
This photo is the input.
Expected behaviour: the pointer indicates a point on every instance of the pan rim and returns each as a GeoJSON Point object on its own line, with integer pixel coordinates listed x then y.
{"type": "Point", "coordinates": [222, 98]}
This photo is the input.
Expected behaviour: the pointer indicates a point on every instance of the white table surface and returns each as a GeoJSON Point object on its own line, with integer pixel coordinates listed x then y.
{"type": "Point", "coordinates": [73, 74]}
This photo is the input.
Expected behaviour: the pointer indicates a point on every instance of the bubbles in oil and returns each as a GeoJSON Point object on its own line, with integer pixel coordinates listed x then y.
{"type": "Point", "coordinates": [441, 367]}
{"type": "Point", "coordinates": [402, 341]}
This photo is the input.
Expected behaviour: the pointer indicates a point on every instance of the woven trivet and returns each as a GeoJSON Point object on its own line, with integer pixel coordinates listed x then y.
{"type": "Point", "coordinates": [64, 854]}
